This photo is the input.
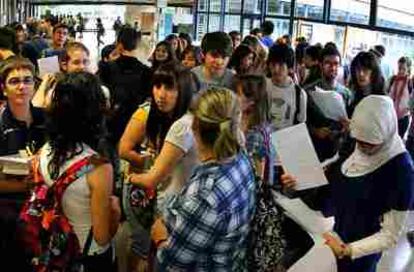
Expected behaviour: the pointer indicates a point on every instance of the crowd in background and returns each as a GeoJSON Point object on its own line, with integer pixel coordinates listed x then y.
{"type": "Point", "coordinates": [171, 167]}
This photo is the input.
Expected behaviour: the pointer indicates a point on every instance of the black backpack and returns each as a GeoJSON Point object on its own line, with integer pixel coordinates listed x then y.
{"type": "Point", "coordinates": [128, 88]}
{"type": "Point", "coordinates": [298, 92]}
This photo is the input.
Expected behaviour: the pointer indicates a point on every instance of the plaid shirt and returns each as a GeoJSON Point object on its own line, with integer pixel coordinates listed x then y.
{"type": "Point", "coordinates": [259, 147]}
{"type": "Point", "coordinates": [209, 220]}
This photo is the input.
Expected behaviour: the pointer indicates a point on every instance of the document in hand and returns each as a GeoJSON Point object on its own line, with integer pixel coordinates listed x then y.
{"type": "Point", "coordinates": [298, 156]}
{"type": "Point", "coordinates": [319, 258]}
{"type": "Point", "coordinates": [48, 65]}
{"type": "Point", "coordinates": [330, 103]}
{"type": "Point", "coordinates": [15, 165]}
{"type": "Point", "coordinates": [313, 222]}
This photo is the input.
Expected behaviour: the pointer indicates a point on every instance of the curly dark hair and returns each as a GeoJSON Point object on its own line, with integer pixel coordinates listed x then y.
{"type": "Point", "coordinates": [76, 117]}
{"type": "Point", "coordinates": [172, 56]}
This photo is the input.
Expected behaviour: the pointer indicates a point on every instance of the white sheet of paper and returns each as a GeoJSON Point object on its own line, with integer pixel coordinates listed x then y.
{"type": "Point", "coordinates": [319, 258]}
{"type": "Point", "coordinates": [48, 65]}
{"type": "Point", "coordinates": [15, 164]}
{"type": "Point", "coordinates": [298, 156]}
{"type": "Point", "coordinates": [330, 103]}
{"type": "Point", "coordinates": [313, 222]}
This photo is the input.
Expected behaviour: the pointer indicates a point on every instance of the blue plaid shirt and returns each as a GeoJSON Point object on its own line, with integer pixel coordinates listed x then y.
{"type": "Point", "coordinates": [208, 221]}
{"type": "Point", "coordinates": [259, 146]}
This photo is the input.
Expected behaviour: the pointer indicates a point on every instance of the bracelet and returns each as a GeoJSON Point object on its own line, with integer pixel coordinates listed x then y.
{"type": "Point", "coordinates": [346, 251]}
{"type": "Point", "coordinates": [159, 242]}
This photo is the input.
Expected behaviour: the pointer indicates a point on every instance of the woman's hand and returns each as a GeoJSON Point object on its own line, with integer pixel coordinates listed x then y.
{"type": "Point", "coordinates": [345, 122]}
{"type": "Point", "coordinates": [288, 182]}
{"type": "Point", "coordinates": [159, 233]}
{"type": "Point", "coordinates": [339, 248]}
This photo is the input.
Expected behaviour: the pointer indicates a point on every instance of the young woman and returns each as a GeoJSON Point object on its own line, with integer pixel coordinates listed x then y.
{"type": "Point", "coordinates": [400, 89]}
{"type": "Point", "coordinates": [208, 221]}
{"type": "Point", "coordinates": [163, 54]}
{"type": "Point", "coordinates": [371, 193]}
{"type": "Point", "coordinates": [267, 245]}
{"type": "Point", "coordinates": [76, 131]}
{"type": "Point", "coordinates": [261, 53]}
{"type": "Point", "coordinates": [172, 93]}
{"type": "Point", "coordinates": [191, 57]}
{"type": "Point", "coordinates": [366, 78]}
{"type": "Point", "coordinates": [242, 60]}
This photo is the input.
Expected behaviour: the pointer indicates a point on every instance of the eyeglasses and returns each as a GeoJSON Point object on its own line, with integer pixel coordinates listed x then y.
{"type": "Point", "coordinates": [14, 81]}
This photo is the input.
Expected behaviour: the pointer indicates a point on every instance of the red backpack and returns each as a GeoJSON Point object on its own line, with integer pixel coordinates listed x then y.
{"type": "Point", "coordinates": [45, 231]}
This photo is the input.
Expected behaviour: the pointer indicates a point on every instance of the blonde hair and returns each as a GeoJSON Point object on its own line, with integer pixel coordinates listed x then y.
{"type": "Point", "coordinates": [217, 121]}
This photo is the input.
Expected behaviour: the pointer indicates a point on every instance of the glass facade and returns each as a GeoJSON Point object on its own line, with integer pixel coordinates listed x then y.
{"type": "Point", "coordinates": [278, 7]}
{"type": "Point", "coordinates": [396, 14]}
{"type": "Point", "coordinates": [351, 11]}
{"type": "Point", "coordinates": [312, 9]}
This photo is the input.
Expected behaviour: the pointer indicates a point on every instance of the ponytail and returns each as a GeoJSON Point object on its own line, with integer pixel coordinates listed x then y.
{"type": "Point", "coordinates": [217, 115]}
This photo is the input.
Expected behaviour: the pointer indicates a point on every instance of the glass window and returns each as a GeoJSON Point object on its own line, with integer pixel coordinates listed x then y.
{"type": "Point", "coordinates": [231, 22]}
{"type": "Point", "coordinates": [249, 24]}
{"type": "Point", "coordinates": [278, 7]}
{"type": "Point", "coordinates": [201, 26]}
{"type": "Point", "coordinates": [215, 5]}
{"type": "Point", "coordinates": [321, 33]}
{"type": "Point", "coordinates": [214, 23]}
{"type": "Point", "coordinates": [309, 9]}
{"type": "Point", "coordinates": [353, 11]}
{"type": "Point", "coordinates": [281, 27]}
{"type": "Point", "coordinates": [233, 6]}
{"type": "Point", "coordinates": [202, 5]}
{"type": "Point", "coordinates": [252, 6]}
{"type": "Point", "coordinates": [397, 14]}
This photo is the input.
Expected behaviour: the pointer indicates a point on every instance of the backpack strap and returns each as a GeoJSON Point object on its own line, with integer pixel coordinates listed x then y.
{"type": "Point", "coordinates": [410, 85]}
{"type": "Point", "coordinates": [267, 143]}
{"type": "Point", "coordinates": [297, 104]}
{"type": "Point", "coordinates": [71, 174]}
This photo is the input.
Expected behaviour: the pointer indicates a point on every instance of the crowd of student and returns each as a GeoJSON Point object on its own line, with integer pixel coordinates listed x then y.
{"type": "Point", "coordinates": [184, 147]}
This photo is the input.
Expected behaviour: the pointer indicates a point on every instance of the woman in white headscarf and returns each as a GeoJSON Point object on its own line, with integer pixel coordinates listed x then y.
{"type": "Point", "coordinates": [372, 191]}
{"type": "Point", "coordinates": [376, 188]}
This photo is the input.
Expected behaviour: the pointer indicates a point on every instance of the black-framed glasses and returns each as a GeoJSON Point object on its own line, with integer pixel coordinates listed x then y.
{"type": "Point", "coordinates": [15, 81]}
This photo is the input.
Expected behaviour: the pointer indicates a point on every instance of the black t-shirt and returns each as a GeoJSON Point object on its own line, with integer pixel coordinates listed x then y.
{"type": "Point", "coordinates": [129, 82]}
{"type": "Point", "coordinates": [15, 135]}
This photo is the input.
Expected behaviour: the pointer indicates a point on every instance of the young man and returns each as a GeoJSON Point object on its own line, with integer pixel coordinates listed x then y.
{"type": "Point", "coordinates": [7, 43]}
{"type": "Point", "coordinates": [74, 58]}
{"type": "Point", "coordinates": [216, 48]}
{"type": "Point", "coordinates": [128, 80]}
{"type": "Point", "coordinates": [288, 100]}
{"type": "Point", "coordinates": [236, 38]}
{"type": "Point", "coordinates": [59, 37]}
{"type": "Point", "coordinates": [21, 128]}
{"type": "Point", "coordinates": [267, 28]}
{"type": "Point", "coordinates": [326, 133]}
{"type": "Point", "coordinates": [311, 61]}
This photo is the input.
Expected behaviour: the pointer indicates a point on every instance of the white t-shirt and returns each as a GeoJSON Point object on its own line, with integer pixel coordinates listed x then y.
{"type": "Point", "coordinates": [283, 104]}
{"type": "Point", "coordinates": [181, 136]}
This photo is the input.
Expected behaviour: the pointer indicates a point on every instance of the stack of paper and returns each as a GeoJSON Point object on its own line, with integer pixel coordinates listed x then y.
{"type": "Point", "coordinates": [15, 164]}
{"type": "Point", "coordinates": [48, 65]}
{"type": "Point", "coordinates": [298, 156]}
{"type": "Point", "coordinates": [319, 258]}
{"type": "Point", "coordinates": [330, 103]}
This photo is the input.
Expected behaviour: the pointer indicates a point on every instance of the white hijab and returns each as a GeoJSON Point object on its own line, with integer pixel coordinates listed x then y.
{"type": "Point", "coordinates": [374, 121]}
